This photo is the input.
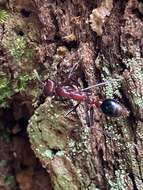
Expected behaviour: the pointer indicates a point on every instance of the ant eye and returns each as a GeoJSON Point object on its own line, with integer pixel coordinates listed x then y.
{"type": "Point", "coordinates": [111, 108]}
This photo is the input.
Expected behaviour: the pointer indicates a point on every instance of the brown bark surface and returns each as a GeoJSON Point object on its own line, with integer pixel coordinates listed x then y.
{"type": "Point", "coordinates": [112, 50]}
{"type": "Point", "coordinates": [99, 40]}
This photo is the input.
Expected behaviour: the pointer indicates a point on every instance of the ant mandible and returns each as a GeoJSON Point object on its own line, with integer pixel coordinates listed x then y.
{"type": "Point", "coordinates": [109, 107]}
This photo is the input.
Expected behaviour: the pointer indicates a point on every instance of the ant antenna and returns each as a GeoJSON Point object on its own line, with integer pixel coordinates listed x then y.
{"type": "Point", "coordinates": [75, 66]}
{"type": "Point", "coordinates": [36, 75]}
{"type": "Point", "coordinates": [38, 78]}
{"type": "Point", "coordinates": [100, 84]}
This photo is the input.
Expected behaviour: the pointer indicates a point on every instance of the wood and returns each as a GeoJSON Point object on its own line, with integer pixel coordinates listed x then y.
{"type": "Point", "coordinates": [112, 161]}
{"type": "Point", "coordinates": [108, 154]}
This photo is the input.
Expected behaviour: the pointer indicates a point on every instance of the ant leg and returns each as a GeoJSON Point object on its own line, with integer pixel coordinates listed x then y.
{"type": "Point", "coordinates": [38, 78]}
{"type": "Point", "coordinates": [88, 118]}
{"type": "Point", "coordinates": [72, 69]}
{"type": "Point", "coordinates": [72, 109]}
{"type": "Point", "coordinates": [91, 117]}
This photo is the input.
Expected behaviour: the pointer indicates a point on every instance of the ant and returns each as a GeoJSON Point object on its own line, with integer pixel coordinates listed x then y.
{"type": "Point", "coordinates": [109, 107]}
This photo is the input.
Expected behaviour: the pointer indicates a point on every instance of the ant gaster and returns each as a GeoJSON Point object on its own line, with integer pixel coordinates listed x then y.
{"type": "Point", "coordinates": [109, 107]}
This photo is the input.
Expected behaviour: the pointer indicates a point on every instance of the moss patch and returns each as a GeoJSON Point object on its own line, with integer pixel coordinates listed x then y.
{"type": "Point", "coordinates": [3, 16]}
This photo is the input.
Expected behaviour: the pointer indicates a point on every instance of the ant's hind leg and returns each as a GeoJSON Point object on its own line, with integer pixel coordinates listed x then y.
{"type": "Point", "coordinates": [72, 109]}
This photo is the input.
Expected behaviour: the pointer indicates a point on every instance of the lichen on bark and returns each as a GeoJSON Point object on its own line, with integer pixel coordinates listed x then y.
{"type": "Point", "coordinates": [49, 133]}
{"type": "Point", "coordinates": [108, 154]}
{"type": "Point", "coordinates": [19, 37]}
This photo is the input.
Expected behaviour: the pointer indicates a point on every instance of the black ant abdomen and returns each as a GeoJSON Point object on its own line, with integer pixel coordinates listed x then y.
{"type": "Point", "coordinates": [112, 108]}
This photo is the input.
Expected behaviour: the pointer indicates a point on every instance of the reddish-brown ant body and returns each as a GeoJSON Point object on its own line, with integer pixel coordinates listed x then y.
{"type": "Point", "coordinates": [109, 107]}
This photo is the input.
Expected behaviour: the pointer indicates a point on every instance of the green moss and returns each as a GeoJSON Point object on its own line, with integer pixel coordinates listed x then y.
{"type": "Point", "coordinates": [10, 180]}
{"type": "Point", "coordinates": [21, 53]}
{"type": "Point", "coordinates": [23, 81]}
{"type": "Point", "coordinates": [3, 16]}
{"type": "Point", "coordinates": [19, 48]}
{"type": "Point", "coordinates": [7, 89]}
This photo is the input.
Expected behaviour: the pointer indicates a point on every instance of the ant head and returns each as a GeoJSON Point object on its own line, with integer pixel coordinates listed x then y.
{"type": "Point", "coordinates": [49, 87]}
{"type": "Point", "coordinates": [113, 108]}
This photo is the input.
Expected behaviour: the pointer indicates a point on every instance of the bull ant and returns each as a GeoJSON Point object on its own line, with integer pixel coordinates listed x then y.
{"type": "Point", "coordinates": [109, 107]}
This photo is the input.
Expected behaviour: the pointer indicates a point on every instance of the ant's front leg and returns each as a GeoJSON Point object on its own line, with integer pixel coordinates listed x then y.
{"type": "Point", "coordinates": [71, 76]}
{"type": "Point", "coordinates": [74, 67]}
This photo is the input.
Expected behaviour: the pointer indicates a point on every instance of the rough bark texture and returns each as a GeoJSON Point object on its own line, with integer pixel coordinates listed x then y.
{"type": "Point", "coordinates": [112, 161]}
{"type": "Point", "coordinates": [101, 40]}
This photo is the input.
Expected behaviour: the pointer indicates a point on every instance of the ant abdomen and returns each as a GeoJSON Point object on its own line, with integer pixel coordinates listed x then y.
{"type": "Point", "coordinates": [112, 108]}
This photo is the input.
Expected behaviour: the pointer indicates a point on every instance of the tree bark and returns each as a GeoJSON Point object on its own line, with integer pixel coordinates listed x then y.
{"type": "Point", "coordinates": [104, 153]}
{"type": "Point", "coordinates": [99, 41]}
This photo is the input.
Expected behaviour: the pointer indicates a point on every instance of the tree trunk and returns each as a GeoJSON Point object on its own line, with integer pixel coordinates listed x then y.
{"type": "Point", "coordinates": [104, 40]}
{"type": "Point", "coordinates": [82, 43]}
